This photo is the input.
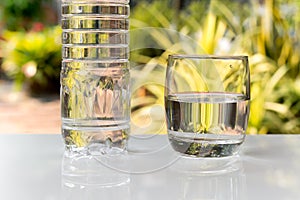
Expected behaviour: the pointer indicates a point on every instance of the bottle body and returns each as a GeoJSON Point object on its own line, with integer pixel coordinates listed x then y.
{"type": "Point", "coordinates": [95, 77]}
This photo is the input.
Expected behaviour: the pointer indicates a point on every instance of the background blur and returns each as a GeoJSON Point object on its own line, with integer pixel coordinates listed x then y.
{"type": "Point", "coordinates": [268, 31]}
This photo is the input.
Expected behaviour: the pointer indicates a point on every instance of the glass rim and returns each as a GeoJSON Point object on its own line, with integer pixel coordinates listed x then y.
{"type": "Point", "coordinates": [213, 57]}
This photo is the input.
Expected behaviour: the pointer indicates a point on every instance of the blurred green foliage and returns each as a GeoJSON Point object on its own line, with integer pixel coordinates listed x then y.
{"type": "Point", "coordinates": [33, 58]}
{"type": "Point", "coordinates": [21, 14]}
{"type": "Point", "coordinates": [30, 49]}
{"type": "Point", "coordinates": [266, 31]}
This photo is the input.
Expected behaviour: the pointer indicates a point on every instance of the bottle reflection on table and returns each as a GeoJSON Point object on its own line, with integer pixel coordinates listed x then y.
{"type": "Point", "coordinates": [84, 177]}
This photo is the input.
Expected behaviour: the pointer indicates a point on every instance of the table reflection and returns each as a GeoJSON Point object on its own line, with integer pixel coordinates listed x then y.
{"type": "Point", "coordinates": [152, 176]}
{"type": "Point", "coordinates": [83, 177]}
{"type": "Point", "coordinates": [206, 180]}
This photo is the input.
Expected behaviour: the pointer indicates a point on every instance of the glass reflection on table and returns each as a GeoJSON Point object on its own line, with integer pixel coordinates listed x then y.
{"type": "Point", "coordinates": [208, 180]}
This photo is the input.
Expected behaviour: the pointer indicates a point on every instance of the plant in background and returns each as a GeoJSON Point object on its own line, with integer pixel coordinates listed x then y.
{"type": "Point", "coordinates": [33, 58]}
{"type": "Point", "coordinates": [148, 69]}
{"type": "Point", "coordinates": [267, 32]}
{"type": "Point", "coordinates": [22, 14]}
{"type": "Point", "coordinates": [275, 67]}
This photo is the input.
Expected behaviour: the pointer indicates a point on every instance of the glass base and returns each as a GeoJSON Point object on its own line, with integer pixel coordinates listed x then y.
{"type": "Point", "coordinates": [206, 145]}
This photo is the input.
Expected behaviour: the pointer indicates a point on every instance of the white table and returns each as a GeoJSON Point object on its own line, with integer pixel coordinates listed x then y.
{"type": "Point", "coordinates": [33, 167]}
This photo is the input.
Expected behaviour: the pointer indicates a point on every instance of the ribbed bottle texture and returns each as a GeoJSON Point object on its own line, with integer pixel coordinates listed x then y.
{"type": "Point", "coordinates": [95, 94]}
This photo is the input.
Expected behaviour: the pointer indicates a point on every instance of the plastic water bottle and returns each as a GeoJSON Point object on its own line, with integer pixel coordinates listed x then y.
{"type": "Point", "coordinates": [95, 94]}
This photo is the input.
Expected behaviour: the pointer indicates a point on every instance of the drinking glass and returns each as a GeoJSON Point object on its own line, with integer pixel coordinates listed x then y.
{"type": "Point", "coordinates": [207, 104]}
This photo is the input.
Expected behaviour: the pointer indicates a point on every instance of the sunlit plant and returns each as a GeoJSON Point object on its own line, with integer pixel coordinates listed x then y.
{"type": "Point", "coordinates": [266, 32]}
{"type": "Point", "coordinates": [33, 58]}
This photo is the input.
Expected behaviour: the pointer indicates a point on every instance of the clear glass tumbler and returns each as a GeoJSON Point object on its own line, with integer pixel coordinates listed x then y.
{"type": "Point", "coordinates": [207, 104]}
